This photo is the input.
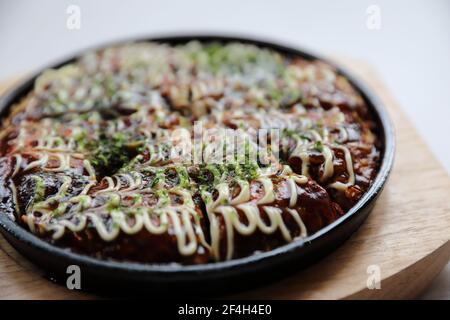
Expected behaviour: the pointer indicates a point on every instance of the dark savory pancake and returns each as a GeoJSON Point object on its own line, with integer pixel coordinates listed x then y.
{"type": "Point", "coordinates": [192, 153]}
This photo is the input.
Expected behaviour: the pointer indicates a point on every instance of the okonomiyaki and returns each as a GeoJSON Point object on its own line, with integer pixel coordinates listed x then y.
{"type": "Point", "coordinates": [190, 153]}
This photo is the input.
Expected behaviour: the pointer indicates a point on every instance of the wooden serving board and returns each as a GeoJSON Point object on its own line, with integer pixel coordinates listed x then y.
{"type": "Point", "coordinates": [407, 236]}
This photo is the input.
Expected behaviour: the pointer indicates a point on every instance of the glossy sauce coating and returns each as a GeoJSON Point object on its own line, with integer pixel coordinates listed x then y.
{"type": "Point", "coordinates": [86, 158]}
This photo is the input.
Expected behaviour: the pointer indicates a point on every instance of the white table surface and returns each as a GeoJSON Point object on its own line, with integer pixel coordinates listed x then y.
{"type": "Point", "coordinates": [411, 50]}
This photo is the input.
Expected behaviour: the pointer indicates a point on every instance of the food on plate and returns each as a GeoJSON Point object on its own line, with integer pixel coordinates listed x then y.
{"type": "Point", "coordinates": [190, 153]}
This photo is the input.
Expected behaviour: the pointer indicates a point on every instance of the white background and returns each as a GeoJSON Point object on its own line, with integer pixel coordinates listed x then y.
{"type": "Point", "coordinates": [411, 51]}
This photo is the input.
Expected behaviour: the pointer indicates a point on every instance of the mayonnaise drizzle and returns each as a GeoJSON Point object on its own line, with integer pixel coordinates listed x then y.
{"type": "Point", "coordinates": [53, 152]}
{"type": "Point", "coordinates": [250, 211]}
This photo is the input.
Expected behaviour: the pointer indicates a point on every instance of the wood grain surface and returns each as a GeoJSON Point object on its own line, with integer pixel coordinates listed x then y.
{"type": "Point", "coordinates": [406, 237]}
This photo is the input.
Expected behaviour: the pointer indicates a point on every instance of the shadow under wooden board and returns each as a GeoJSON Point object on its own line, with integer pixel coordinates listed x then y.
{"type": "Point", "coordinates": [406, 238]}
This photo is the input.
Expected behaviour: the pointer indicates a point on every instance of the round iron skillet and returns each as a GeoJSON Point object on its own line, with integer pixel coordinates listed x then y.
{"type": "Point", "coordinates": [128, 278]}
